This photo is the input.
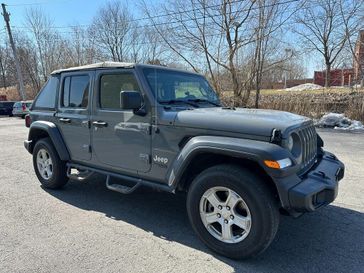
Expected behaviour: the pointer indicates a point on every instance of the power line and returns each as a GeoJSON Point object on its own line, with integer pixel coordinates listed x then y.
{"type": "Point", "coordinates": [179, 13]}
{"type": "Point", "coordinates": [165, 23]}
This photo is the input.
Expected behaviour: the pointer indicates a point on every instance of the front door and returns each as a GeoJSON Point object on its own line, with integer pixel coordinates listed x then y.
{"type": "Point", "coordinates": [73, 114]}
{"type": "Point", "coordinates": [120, 138]}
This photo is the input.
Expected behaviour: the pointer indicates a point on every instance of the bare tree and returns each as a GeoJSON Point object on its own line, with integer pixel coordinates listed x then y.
{"type": "Point", "coordinates": [222, 36]}
{"type": "Point", "coordinates": [3, 63]}
{"type": "Point", "coordinates": [321, 26]}
{"type": "Point", "coordinates": [153, 49]}
{"type": "Point", "coordinates": [271, 19]}
{"type": "Point", "coordinates": [82, 48]}
{"type": "Point", "coordinates": [111, 29]}
{"type": "Point", "coordinates": [208, 33]}
{"type": "Point", "coordinates": [48, 42]}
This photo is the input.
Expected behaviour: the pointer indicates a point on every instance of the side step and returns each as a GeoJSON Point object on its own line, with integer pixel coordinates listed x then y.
{"type": "Point", "coordinates": [121, 188]}
{"type": "Point", "coordinates": [80, 174]}
{"type": "Point", "coordinates": [130, 183]}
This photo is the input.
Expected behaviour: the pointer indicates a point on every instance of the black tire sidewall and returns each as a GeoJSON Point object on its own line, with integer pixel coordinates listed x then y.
{"type": "Point", "coordinates": [260, 207]}
{"type": "Point", "coordinates": [59, 177]}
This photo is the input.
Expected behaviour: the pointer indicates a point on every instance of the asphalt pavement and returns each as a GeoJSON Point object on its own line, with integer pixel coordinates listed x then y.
{"type": "Point", "coordinates": [87, 228]}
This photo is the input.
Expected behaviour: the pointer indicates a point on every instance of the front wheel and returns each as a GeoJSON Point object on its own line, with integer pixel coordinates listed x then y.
{"type": "Point", "coordinates": [232, 211]}
{"type": "Point", "coordinates": [49, 168]}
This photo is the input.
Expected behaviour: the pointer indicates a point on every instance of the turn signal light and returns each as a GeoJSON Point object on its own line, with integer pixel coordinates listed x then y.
{"type": "Point", "coordinates": [280, 164]}
{"type": "Point", "coordinates": [272, 164]}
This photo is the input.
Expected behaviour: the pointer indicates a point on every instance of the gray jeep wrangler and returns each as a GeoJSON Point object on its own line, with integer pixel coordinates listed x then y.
{"type": "Point", "coordinates": [165, 128]}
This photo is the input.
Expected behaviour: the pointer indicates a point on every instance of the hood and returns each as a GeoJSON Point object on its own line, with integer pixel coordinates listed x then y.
{"type": "Point", "coordinates": [240, 120]}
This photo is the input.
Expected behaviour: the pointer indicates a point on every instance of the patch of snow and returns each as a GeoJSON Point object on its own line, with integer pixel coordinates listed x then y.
{"type": "Point", "coordinates": [339, 121]}
{"type": "Point", "coordinates": [305, 86]}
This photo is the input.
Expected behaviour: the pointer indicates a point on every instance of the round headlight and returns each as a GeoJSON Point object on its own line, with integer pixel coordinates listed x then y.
{"type": "Point", "coordinates": [293, 144]}
{"type": "Point", "coordinates": [290, 143]}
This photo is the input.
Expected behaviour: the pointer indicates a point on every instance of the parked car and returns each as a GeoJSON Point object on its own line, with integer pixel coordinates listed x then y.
{"type": "Point", "coordinates": [6, 108]}
{"type": "Point", "coordinates": [21, 108]}
{"type": "Point", "coordinates": [165, 128]}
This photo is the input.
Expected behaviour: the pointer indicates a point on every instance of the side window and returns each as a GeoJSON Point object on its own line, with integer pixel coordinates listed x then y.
{"type": "Point", "coordinates": [110, 87]}
{"type": "Point", "coordinates": [75, 91]}
{"type": "Point", "coordinates": [47, 96]}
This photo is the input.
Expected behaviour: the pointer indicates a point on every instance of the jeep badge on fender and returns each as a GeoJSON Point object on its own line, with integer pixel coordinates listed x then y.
{"type": "Point", "coordinates": [240, 167]}
{"type": "Point", "coordinates": [162, 160]}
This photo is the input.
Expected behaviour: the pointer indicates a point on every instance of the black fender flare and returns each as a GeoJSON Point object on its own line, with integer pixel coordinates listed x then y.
{"type": "Point", "coordinates": [54, 134]}
{"type": "Point", "coordinates": [253, 150]}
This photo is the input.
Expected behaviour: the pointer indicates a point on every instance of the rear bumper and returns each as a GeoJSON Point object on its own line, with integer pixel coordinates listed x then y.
{"type": "Point", "coordinates": [319, 187]}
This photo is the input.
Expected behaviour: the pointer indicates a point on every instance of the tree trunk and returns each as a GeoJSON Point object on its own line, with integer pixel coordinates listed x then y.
{"type": "Point", "coordinates": [328, 75]}
{"type": "Point", "coordinates": [3, 74]}
{"type": "Point", "coordinates": [245, 98]}
{"type": "Point", "coordinates": [257, 95]}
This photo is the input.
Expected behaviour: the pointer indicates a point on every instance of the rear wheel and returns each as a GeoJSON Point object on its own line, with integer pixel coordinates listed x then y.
{"type": "Point", "coordinates": [49, 168]}
{"type": "Point", "coordinates": [232, 211]}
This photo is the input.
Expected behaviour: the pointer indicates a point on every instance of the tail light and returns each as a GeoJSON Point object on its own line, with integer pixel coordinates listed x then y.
{"type": "Point", "coordinates": [23, 107]}
{"type": "Point", "coordinates": [28, 121]}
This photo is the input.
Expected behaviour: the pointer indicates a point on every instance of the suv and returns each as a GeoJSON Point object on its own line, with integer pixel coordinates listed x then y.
{"type": "Point", "coordinates": [6, 108]}
{"type": "Point", "coordinates": [165, 128]}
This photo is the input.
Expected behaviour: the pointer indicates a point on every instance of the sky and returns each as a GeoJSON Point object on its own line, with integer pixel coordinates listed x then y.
{"type": "Point", "coordinates": [63, 12]}
{"type": "Point", "coordinates": [71, 12]}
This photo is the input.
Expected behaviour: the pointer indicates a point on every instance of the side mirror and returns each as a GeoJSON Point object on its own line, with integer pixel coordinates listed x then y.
{"type": "Point", "coordinates": [130, 100]}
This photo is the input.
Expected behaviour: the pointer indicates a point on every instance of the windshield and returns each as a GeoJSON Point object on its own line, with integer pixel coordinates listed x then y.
{"type": "Point", "coordinates": [173, 86]}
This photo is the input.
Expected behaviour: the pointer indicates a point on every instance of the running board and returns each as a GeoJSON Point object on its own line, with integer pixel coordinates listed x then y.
{"type": "Point", "coordinates": [121, 188]}
{"type": "Point", "coordinates": [136, 182]}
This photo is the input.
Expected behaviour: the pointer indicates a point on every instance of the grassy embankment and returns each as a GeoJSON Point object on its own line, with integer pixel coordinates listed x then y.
{"type": "Point", "coordinates": [312, 103]}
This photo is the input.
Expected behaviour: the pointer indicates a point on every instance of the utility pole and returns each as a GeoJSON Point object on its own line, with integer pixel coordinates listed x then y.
{"type": "Point", "coordinates": [17, 64]}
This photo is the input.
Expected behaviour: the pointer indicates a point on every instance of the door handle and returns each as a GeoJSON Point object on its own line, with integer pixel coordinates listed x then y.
{"type": "Point", "coordinates": [99, 124]}
{"type": "Point", "coordinates": [65, 120]}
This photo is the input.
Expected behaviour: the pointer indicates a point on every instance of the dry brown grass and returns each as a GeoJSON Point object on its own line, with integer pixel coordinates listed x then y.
{"type": "Point", "coordinates": [12, 94]}
{"type": "Point", "coordinates": [312, 103]}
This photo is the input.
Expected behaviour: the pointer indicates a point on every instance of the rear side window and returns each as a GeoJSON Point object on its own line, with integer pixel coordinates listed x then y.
{"type": "Point", "coordinates": [75, 91]}
{"type": "Point", "coordinates": [110, 87]}
{"type": "Point", "coordinates": [47, 96]}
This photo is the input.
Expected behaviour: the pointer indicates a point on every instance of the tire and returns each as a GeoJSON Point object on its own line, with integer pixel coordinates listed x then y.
{"type": "Point", "coordinates": [57, 173]}
{"type": "Point", "coordinates": [258, 205]}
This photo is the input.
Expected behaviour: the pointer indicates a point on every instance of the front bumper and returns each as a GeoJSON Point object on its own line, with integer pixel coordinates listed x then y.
{"type": "Point", "coordinates": [318, 187]}
{"type": "Point", "coordinates": [28, 146]}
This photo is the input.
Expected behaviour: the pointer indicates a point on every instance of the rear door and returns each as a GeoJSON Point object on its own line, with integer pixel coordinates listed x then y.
{"type": "Point", "coordinates": [74, 112]}
{"type": "Point", "coordinates": [121, 139]}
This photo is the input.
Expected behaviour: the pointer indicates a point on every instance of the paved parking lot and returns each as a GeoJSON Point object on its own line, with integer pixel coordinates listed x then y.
{"type": "Point", "coordinates": [87, 228]}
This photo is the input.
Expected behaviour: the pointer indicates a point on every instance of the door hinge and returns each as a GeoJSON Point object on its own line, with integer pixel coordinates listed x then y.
{"type": "Point", "coordinates": [145, 157]}
{"type": "Point", "coordinates": [86, 123]}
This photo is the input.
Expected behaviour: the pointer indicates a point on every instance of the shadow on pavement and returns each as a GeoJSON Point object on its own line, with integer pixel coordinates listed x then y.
{"type": "Point", "coordinates": [329, 240]}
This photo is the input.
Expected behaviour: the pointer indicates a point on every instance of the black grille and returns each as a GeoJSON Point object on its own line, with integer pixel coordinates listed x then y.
{"type": "Point", "coordinates": [309, 146]}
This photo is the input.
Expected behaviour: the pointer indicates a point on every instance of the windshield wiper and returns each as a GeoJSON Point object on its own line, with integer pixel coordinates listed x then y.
{"type": "Point", "coordinates": [204, 100]}
{"type": "Point", "coordinates": [179, 102]}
